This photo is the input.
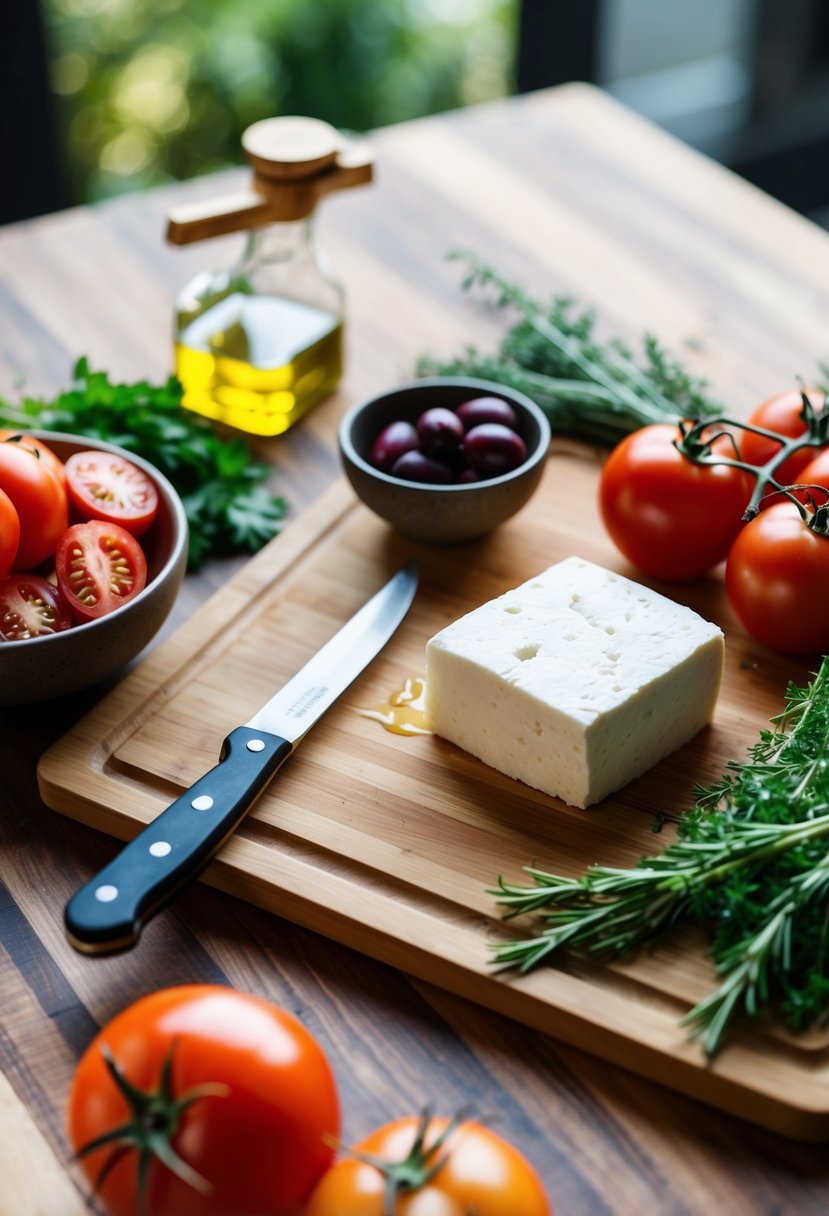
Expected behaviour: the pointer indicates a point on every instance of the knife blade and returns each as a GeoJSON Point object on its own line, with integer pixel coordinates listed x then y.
{"type": "Point", "coordinates": [108, 913]}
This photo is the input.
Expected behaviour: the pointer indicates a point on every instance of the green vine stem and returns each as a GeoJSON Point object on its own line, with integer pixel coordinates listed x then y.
{"type": "Point", "coordinates": [696, 443]}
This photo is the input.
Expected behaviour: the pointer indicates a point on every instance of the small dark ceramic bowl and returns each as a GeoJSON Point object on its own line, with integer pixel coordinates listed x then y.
{"type": "Point", "coordinates": [41, 668]}
{"type": "Point", "coordinates": [438, 514]}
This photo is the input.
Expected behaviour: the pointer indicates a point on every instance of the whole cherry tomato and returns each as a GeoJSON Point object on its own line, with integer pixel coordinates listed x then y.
{"type": "Point", "coordinates": [45, 453]}
{"type": "Point", "coordinates": [104, 486]}
{"type": "Point", "coordinates": [815, 473]}
{"type": "Point", "coordinates": [480, 1172]}
{"type": "Point", "coordinates": [40, 502]}
{"type": "Point", "coordinates": [777, 579]}
{"type": "Point", "coordinates": [672, 518]}
{"type": "Point", "coordinates": [782, 413]}
{"type": "Point", "coordinates": [99, 567]}
{"type": "Point", "coordinates": [9, 533]}
{"type": "Point", "coordinates": [244, 1098]}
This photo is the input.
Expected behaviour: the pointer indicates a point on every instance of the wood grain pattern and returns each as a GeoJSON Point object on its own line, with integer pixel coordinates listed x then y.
{"type": "Point", "coordinates": [569, 193]}
{"type": "Point", "coordinates": [389, 844]}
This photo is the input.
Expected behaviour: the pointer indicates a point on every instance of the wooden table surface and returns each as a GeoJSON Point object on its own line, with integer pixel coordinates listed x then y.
{"type": "Point", "coordinates": [570, 194]}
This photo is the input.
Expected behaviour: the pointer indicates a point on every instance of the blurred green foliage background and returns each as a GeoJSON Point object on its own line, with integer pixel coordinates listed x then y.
{"type": "Point", "coordinates": [150, 90]}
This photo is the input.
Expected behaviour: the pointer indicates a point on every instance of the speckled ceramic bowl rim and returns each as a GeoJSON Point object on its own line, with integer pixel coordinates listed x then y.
{"type": "Point", "coordinates": [485, 388]}
{"type": "Point", "coordinates": [177, 509]}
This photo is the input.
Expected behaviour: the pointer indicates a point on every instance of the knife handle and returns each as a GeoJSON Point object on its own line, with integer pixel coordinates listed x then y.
{"type": "Point", "coordinates": [109, 912]}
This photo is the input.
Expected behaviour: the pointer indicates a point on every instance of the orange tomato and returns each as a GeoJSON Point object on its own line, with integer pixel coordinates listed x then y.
{"type": "Point", "coordinates": [480, 1172]}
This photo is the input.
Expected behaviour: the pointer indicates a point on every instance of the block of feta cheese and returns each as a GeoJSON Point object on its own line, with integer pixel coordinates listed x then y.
{"type": "Point", "coordinates": [575, 682]}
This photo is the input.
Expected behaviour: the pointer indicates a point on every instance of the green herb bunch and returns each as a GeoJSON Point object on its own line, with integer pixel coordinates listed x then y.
{"type": "Point", "coordinates": [751, 865]}
{"type": "Point", "coordinates": [228, 507]}
{"type": "Point", "coordinates": [592, 391]}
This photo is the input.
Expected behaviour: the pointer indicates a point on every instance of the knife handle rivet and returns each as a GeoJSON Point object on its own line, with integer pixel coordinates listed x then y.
{"type": "Point", "coordinates": [106, 893]}
{"type": "Point", "coordinates": [160, 848]}
{"type": "Point", "coordinates": [255, 745]}
{"type": "Point", "coordinates": [203, 803]}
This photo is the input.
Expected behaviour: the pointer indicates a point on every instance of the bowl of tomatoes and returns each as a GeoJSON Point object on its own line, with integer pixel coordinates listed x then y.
{"type": "Point", "coordinates": [93, 550]}
{"type": "Point", "coordinates": [445, 459]}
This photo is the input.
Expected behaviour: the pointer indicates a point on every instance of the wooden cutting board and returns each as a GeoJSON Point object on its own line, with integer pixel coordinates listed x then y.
{"type": "Point", "coordinates": [389, 843]}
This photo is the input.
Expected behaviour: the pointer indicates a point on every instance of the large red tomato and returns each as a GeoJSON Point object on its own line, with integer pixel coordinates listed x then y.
{"type": "Point", "coordinates": [249, 1116]}
{"type": "Point", "coordinates": [9, 533]}
{"type": "Point", "coordinates": [777, 579]}
{"type": "Point", "coordinates": [480, 1172]}
{"type": "Point", "coordinates": [40, 502]}
{"type": "Point", "coordinates": [672, 518]}
{"type": "Point", "coordinates": [782, 413]}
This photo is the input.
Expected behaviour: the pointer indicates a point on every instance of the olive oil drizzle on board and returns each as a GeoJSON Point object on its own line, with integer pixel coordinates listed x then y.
{"type": "Point", "coordinates": [404, 712]}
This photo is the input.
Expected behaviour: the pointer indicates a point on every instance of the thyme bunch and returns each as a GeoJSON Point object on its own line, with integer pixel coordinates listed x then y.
{"type": "Point", "coordinates": [751, 865]}
{"type": "Point", "coordinates": [594, 391]}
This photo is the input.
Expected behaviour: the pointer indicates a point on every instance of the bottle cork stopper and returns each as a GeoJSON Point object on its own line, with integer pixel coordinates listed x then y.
{"type": "Point", "coordinates": [296, 162]}
{"type": "Point", "coordinates": [291, 147]}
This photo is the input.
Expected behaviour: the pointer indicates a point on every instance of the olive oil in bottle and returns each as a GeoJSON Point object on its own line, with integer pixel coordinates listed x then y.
{"type": "Point", "coordinates": [259, 363]}
{"type": "Point", "coordinates": [260, 344]}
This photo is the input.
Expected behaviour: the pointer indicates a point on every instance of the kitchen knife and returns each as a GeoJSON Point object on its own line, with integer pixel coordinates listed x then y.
{"type": "Point", "coordinates": [109, 912]}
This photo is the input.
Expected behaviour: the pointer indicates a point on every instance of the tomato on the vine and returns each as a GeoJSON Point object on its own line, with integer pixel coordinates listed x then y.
{"type": "Point", "coordinates": [30, 608]}
{"type": "Point", "coordinates": [671, 517]}
{"type": "Point", "coordinates": [102, 485]}
{"type": "Point", "coordinates": [9, 533]}
{"type": "Point", "coordinates": [40, 502]}
{"type": "Point", "coordinates": [777, 579]}
{"type": "Point", "coordinates": [243, 1097]}
{"type": "Point", "coordinates": [816, 473]}
{"type": "Point", "coordinates": [783, 414]}
{"type": "Point", "coordinates": [480, 1172]}
{"type": "Point", "coordinates": [99, 568]}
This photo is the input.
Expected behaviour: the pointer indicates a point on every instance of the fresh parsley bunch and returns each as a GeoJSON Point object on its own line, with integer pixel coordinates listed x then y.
{"type": "Point", "coordinates": [228, 507]}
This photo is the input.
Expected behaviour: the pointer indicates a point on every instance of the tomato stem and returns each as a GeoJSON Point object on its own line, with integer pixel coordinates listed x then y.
{"type": "Point", "coordinates": [416, 1170]}
{"type": "Point", "coordinates": [696, 443]}
{"type": "Point", "coordinates": [154, 1118]}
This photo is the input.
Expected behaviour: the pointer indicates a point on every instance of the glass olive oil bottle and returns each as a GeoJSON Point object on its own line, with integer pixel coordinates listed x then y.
{"type": "Point", "coordinates": [259, 344]}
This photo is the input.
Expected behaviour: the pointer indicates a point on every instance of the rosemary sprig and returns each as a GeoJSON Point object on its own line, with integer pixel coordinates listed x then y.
{"type": "Point", "coordinates": [593, 391]}
{"type": "Point", "coordinates": [751, 865]}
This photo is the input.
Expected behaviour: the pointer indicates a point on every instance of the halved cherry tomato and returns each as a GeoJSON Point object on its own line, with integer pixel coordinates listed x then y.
{"type": "Point", "coordinates": [783, 414]}
{"type": "Point", "coordinates": [40, 502]}
{"type": "Point", "coordinates": [30, 608]}
{"type": "Point", "coordinates": [104, 486]}
{"type": "Point", "coordinates": [248, 1115]}
{"type": "Point", "coordinates": [49, 458]}
{"type": "Point", "coordinates": [9, 533]}
{"type": "Point", "coordinates": [480, 1173]}
{"type": "Point", "coordinates": [99, 568]}
{"type": "Point", "coordinates": [670, 517]}
{"type": "Point", "coordinates": [777, 579]}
